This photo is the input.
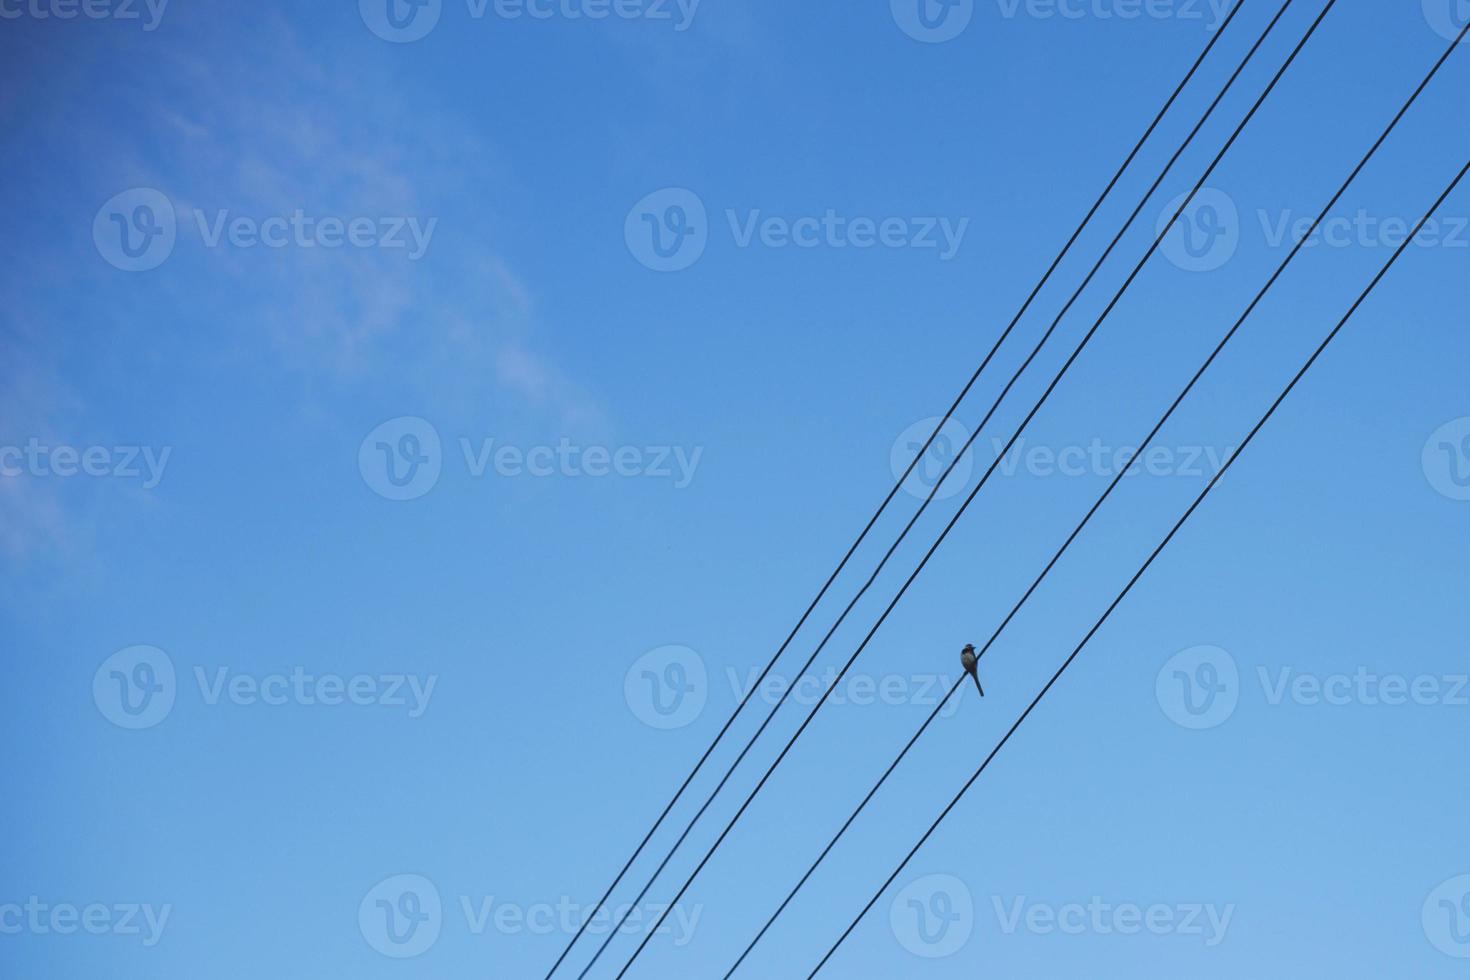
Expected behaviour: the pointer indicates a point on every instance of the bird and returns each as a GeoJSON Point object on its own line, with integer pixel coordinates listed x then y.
{"type": "Point", "coordinates": [972, 665]}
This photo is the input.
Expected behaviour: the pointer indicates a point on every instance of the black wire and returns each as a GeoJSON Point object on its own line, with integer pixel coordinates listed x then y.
{"type": "Point", "coordinates": [1117, 479]}
{"type": "Point", "coordinates": [903, 535]}
{"type": "Point", "coordinates": [1139, 574]}
{"type": "Point", "coordinates": [968, 500]}
{"type": "Point", "coordinates": [872, 521]}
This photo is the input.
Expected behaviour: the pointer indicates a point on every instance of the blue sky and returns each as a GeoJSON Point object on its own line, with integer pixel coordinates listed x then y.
{"type": "Point", "coordinates": [466, 379]}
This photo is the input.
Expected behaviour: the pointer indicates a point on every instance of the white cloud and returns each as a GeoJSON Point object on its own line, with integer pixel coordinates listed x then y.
{"type": "Point", "coordinates": [263, 127]}
{"type": "Point", "coordinates": [269, 129]}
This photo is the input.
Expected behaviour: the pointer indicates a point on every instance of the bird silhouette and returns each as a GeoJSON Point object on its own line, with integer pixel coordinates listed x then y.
{"type": "Point", "coordinates": [972, 665]}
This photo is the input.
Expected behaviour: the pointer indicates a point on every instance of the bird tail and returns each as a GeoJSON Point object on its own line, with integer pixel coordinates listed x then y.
{"type": "Point", "coordinates": [976, 676]}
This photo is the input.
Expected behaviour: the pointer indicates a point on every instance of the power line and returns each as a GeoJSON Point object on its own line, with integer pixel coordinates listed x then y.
{"type": "Point", "coordinates": [1139, 574]}
{"type": "Point", "coordinates": [903, 534]}
{"type": "Point", "coordinates": [872, 521]}
{"type": "Point", "coordinates": [969, 499]}
{"type": "Point", "coordinates": [1117, 479]}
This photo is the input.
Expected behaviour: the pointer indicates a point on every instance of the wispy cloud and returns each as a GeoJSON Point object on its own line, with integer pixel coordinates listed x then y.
{"type": "Point", "coordinates": [273, 129]}
{"type": "Point", "coordinates": [266, 128]}
{"type": "Point", "coordinates": [34, 404]}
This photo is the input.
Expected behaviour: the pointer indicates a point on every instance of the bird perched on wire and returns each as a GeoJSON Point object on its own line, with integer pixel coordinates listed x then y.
{"type": "Point", "coordinates": [972, 665]}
